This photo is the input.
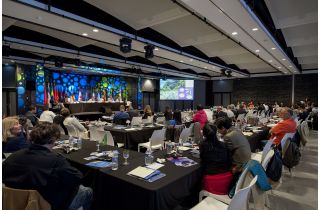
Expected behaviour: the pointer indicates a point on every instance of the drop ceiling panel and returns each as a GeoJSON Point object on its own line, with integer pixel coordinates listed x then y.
{"type": "Point", "coordinates": [305, 50]}
{"type": "Point", "coordinates": [308, 59]}
{"type": "Point", "coordinates": [310, 66]}
{"type": "Point", "coordinates": [188, 30]}
{"type": "Point", "coordinates": [301, 35]}
{"type": "Point", "coordinates": [221, 48]}
{"type": "Point", "coordinates": [72, 39]}
{"type": "Point", "coordinates": [7, 22]}
{"type": "Point", "coordinates": [116, 49]}
{"type": "Point", "coordinates": [241, 58]}
{"type": "Point", "coordinates": [141, 13]}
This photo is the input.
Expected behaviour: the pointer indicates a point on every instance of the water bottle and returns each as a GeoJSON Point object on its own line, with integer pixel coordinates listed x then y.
{"type": "Point", "coordinates": [115, 161]}
{"type": "Point", "coordinates": [79, 143]}
{"type": "Point", "coordinates": [169, 148]}
{"type": "Point", "coordinates": [148, 159]}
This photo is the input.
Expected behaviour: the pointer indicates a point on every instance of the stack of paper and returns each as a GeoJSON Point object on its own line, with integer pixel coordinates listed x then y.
{"type": "Point", "coordinates": [146, 174]}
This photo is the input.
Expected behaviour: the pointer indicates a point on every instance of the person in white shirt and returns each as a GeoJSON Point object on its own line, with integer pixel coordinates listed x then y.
{"type": "Point", "coordinates": [46, 115]}
{"type": "Point", "coordinates": [72, 121]}
{"type": "Point", "coordinates": [229, 112]}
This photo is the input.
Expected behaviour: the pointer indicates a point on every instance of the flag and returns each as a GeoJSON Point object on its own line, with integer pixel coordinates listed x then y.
{"type": "Point", "coordinates": [45, 100]}
{"type": "Point", "coordinates": [86, 95]}
{"type": "Point", "coordinates": [80, 96]}
{"type": "Point", "coordinates": [98, 96]}
{"type": "Point", "coordinates": [49, 97]}
{"type": "Point", "coordinates": [120, 98]}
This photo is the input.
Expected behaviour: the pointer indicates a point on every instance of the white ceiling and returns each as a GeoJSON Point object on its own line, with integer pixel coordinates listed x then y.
{"type": "Point", "coordinates": [299, 25]}
{"type": "Point", "coordinates": [297, 20]}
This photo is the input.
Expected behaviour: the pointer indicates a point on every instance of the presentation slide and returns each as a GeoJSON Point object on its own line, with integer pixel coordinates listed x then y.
{"type": "Point", "coordinates": [176, 89]}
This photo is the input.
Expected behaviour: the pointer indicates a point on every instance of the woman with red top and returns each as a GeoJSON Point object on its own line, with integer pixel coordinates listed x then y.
{"type": "Point", "coordinates": [200, 116]}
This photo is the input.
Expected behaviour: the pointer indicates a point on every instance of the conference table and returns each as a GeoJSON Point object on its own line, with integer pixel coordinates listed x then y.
{"type": "Point", "coordinates": [115, 190]}
{"type": "Point", "coordinates": [131, 137]}
{"type": "Point", "coordinates": [92, 107]}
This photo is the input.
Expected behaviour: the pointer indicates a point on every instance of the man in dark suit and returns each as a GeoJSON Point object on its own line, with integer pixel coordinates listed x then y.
{"type": "Point", "coordinates": [220, 113]}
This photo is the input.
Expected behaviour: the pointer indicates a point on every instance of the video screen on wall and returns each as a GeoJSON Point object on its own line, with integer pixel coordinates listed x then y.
{"type": "Point", "coordinates": [176, 89]}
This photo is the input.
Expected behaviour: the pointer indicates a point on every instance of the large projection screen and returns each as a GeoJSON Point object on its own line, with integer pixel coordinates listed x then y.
{"type": "Point", "coordinates": [176, 89]}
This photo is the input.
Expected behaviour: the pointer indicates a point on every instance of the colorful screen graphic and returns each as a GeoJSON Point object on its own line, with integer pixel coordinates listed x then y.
{"type": "Point", "coordinates": [176, 89]}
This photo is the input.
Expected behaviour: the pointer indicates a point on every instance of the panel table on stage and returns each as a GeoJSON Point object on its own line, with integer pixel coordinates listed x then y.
{"type": "Point", "coordinates": [92, 107]}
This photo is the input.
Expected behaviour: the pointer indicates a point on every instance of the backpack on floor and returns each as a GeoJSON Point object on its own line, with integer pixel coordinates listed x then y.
{"type": "Point", "coordinates": [292, 155]}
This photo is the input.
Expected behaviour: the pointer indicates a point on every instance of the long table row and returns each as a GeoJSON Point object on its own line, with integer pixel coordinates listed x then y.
{"type": "Point", "coordinates": [92, 107]}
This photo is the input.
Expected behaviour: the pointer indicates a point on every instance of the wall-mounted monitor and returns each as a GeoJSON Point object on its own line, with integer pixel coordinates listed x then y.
{"type": "Point", "coordinates": [176, 89]}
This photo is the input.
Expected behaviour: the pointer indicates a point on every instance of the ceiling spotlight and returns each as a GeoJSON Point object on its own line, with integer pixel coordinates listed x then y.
{"type": "Point", "coordinates": [283, 59]}
{"type": "Point", "coordinates": [213, 67]}
{"type": "Point", "coordinates": [273, 48]}
{"type": "Point", "coordinates": [156, 49]}
{"type": "Point", "coordinates": [95, 30]}
{"type": "Point", "coordinates": [234, 33]}
{"type": "Point", "coordinates": [279, 67]}
{"type": "Point", "coordinates": [255, 29]}
{"type": "Point", "coordinates": [205, 67]}
{"type": "Point", "coordinates": [12, 61]}
{"type": "Point", "coordinates": [182, 61]}
{"type": "Point", "coordinates": [84, 34]}
{"type": "Point", "coordinates": [149, 51]}
{"type": "Point", "coordinates": [257, 51]}
{"type": "Point", "coordinates": [270, 61]}
{"type": "Point", "coordinates": [125, 45]}
{"type": "Point", "coordinates": [290, 66]}
{"type": "Point", "coordinates": [191, 59]}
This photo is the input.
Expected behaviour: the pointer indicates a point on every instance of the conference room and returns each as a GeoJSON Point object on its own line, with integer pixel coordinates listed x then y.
{"type": "Point", "coordinates": [159, 105]}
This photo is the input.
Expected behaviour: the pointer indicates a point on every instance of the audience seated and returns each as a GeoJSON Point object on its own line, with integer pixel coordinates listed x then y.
{"type": "Point", "coordinates": [177, 117]}
{"type": "Point", "coordinates": [121, 117]}
{"type": "Point", "coordinates": [46, 115]}
{"type": "Point", "coordinates": [132, 112]}
{"type": "Point", "coordinates": [200, 116]}
{"type": "Point", "coordinates": [30, 114]}
{"type": "Point", "coordinates": [220, 113]}
{"type": "Point", "coordinates": [58, 120]}
{"type": "Point", "coordinates": [39, 168]}
{"type": "Point", "coordinates": [287, 125]}
{"type": "Point", "coordinates": [241, 110]}
{"type": "Point", "coordinates": [13, 137]}
{"type": "Point", "coordinates": [65, 112]}
{"type": "Point", "coordinates": [147, 112]}
{"type": "Point", "coordinates": [215, 162]}
{"type": "Point", "coordinates": [236, 142]}
{"type": "Point", "coordinates": [229, 112]}
{"type": "Point", "coordinates": [168, 113]}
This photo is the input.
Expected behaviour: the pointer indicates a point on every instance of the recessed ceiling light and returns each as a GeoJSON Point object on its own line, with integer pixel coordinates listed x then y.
{"type": "Point", "coordinates": [286, 72]}
{"type": "Point", "coordinates": [95, 30]}
{"type": "Point", "coordinates": [191, 59]}
{"type": "Point", "coordinates": [283, 59]}
{"type": "Point", "coordinates": [290, 66]}
{"type": "Point", "coordinates": [270, 61]}
{"type": "Point", "coordinates": [12, 61]}
{"type": "Point", "coordinates": [213, 67]}
{"type": "Point", "coordinates": [257, 51]}
{"type": "Point", "coordinates": [182, 61]}
{"type": "Point", "coordinates": [279, 67]}
{"type": "Point", "coordinates": [205, 67]}
{"type": "Point", "coordinates": [156, 48]}
{"type": "Point", "coordinates": [273, 48]}
{"type": "Point", "coordinates": [234, 33]}
{"type": "Point", "coordinates": [84, 34]}
{"type": "Point", "coordinates": [255, 29]}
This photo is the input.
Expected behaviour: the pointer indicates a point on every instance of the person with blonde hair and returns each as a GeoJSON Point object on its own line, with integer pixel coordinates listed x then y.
{"type": "Point", "coordinates": [13, 137]}
{"type": "Point", "coordinates": [147, 112]}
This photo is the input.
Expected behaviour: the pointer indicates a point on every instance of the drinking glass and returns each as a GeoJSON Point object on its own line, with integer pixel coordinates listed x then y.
{"type": "Point", "coordinates": [98, 145]}
{"type": "Point", "coordinates": [125, 156]}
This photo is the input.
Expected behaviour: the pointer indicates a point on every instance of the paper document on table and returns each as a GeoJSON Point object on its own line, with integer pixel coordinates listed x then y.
{"type": "Point", "coordinates": [182, 148]}
{"type": "Point", "coordinates": [141, 172]}
{"type": "Point", "coordinates": [155, 166]}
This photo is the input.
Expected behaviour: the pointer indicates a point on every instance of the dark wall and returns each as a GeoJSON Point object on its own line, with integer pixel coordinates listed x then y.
{"type": "Point", "coordinates": [263, 89]}
{"type": "Point", "coordinates": [306, 85]}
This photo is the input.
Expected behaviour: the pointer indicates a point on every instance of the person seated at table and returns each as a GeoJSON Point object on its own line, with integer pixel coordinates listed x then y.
{"type": "Point", "coordinates": [72, 98]}
{"type": "Point", "coordinates": [121, 117]}
{"type": "Point", "coordinates": [58, 120]}
{"type": "Point", "coordinates": [110, 99]}
{"type": "Point", "coordinates": [177, 117]}
{"type": "Point", "coordinates": [66, 98]}
{"type": "Point", "coordinates": [132, 112]}
{"type": "Point", "coordinates": [13, 138]}
{"type": "Point", "coordinates": [31, 115]}
{"type": "Point", "coordinates": [147, 112]}
{"type": "Point", "coordinates": [200, 116]}
{"type": "Point", "coordinates": [229, 112]}
{"type": "Point", "coordinates": [215, 156]}
{"type": "Point", "coordinates": [56, 105]}
{"type": "Point", "coordinates": [65, 112]}
{"type": "Point", "coordinates": [236, 142]}
{"type": "Point", "coordinates": [39, 168]}
{"type": "Point", "coordinates": [220, 113]}
{"type": "Point", "coordinates": [241, 110]}
{"type": "Point", "coordinates": [168, 113]}
{"type": "Point", "coordinates": [92, 99]}
{"type": "Point", "coordinates": [46, 115]}
{"type": "Point", "coordinates": [287, 125]}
